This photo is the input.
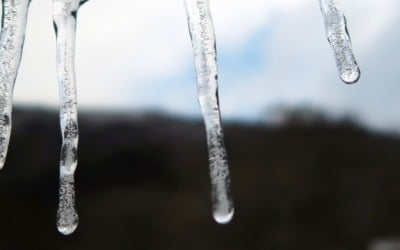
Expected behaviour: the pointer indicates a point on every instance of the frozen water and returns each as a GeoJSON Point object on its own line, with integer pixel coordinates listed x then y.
{"type": "Point", "coordinates": [203, 40]}
{"type": "Point", "coordinates": [13, 26]}
{"type": "Point", "coordinates": [65, 13]}
{"type": "Point", "coordinates": [339, 39]}
{"type": "Point", "coordinates": [67, 218]}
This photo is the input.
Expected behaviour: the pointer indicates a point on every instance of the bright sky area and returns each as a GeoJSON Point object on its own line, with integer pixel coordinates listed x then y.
{"type": "Point", "coordinates": [136, 55]}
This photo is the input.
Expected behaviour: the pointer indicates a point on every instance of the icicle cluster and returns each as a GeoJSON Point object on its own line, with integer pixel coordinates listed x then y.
{"type": "Point", "coordinates": [13, 25]}
{"type": "Point", "coordinates": [65, 12]}
{"type": "Point", "coordinates": [203, 40]}
{"type": "Point", "coordinates": [339, 39]}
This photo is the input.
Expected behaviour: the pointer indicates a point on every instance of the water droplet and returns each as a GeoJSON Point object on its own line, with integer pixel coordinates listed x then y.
{"type": "Point", "coordinates": [223, 218]}
{"type": "Point", "coordinates": [350, 75]}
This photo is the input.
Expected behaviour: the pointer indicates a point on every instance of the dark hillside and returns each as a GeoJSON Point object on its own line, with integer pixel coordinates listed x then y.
{"type": "Point", "coordinates": [142, 183]}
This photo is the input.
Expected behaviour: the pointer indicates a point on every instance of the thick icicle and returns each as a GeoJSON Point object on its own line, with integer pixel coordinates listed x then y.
{"type": "Point", "coordinates": [65, 12]}
{"type": "Point", "coordinates": [203, 40]}
{"type": "Point", "coordinates": [13, 24]}
{"type": "Point", "coordinates": [339, 39]}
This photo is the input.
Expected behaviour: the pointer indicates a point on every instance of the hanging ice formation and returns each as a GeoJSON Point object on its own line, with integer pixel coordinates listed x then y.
{"type": "Point", "coordinates": [13, 24]}
{"type": "Point", "coordinates": [65, 13]}
{"type": "Point", "coordinates": [339, 39]}
{"type": "Point", "coordinates": [203, 40]}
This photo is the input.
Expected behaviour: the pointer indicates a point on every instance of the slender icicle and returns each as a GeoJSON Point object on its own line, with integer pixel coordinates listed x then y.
{"type": "Point", "coordinates": [65, 12]}
{"type": "Point", "coordinates": [339, 39]}
{"type": "Point", "coordinates": [203, 40]}
{"type": "Point", "coordinates": [13, 24]}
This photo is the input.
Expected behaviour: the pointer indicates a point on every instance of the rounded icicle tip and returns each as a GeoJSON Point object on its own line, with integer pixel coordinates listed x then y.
{"type": "Point", "coordinates": [67, 229]}
{"type": "Point", "coordinates": [223, 218]}
{"type": "Point", "coordinates": [350, 75]}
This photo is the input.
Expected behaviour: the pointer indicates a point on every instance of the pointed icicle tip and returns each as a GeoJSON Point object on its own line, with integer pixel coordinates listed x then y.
{"type": "Point", "coordinates": [2, 162]}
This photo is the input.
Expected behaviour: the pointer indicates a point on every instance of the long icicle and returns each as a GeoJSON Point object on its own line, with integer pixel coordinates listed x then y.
{"type": "Point", "coordinates": [13, 26]}
{"type": "Point", "coordinates": [203, 40]}
{"type": "Point", "coordinates": [65, 12]}
{"type": "Point", "coordinates": [339, 39]}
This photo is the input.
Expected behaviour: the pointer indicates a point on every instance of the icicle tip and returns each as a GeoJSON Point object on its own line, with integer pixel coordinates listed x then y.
{"type": "Point", "coordinates": [2, 162]}
{"type": "Point", "coordinates": [350, 75]}
{"type": "Point", "coordinates": [67, 229]}
{"type": "Point", "coordinates": [223, 218]}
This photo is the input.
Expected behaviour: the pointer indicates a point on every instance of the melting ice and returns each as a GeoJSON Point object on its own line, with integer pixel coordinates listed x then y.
{"type": "Point", "coordinates": [13, 24]}
{"type": "Point", "coordinates": [64, 14]}
{"type": "Point", "coordinates": [203, 40]}
{"type": "Point", "coordinates": [339, 39]}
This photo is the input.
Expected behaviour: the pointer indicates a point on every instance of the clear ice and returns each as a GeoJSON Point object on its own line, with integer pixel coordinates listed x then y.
{"type": "Point", "coordinates": [203, 40]}
{"type": "Point", "coordinates": [339, 39]}
{"type": "Point", "coordinates": [13, 25]}
{"type": "Point", "coordinates": [64, 14]}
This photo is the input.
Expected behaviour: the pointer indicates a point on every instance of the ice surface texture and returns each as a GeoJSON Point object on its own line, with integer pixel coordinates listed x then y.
{"type": "Point", "coordinates": [64, 14]}
{"type": "Point", "coordinates": [201, 29]}
{"type": "Point", "coordinates": [13, 25]}
{"type": "Point", "coordinates": [203, 40]}
{"type": "Point", "coordinates": [339, 39]}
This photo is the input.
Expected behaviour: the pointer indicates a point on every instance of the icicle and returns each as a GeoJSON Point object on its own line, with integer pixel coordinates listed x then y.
{"type": "Point", "coordinates": [65, 12]}
{"type": "Point", "coordinates": [203, 40]}
{"type": "Point", "coordinates": [339, 39]}
{"type": "Point", "coordinates": [13, 24]}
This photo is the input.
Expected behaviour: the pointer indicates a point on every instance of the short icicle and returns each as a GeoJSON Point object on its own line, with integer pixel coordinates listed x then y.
{"type": "Point", "coordinates": [339, 39]}
{"type": "Point", "coordinates": [203, 40]}
{"type": "Point", "coordinates": [13, 25]}
{"type": "Point", "coordinates": [65, 12]}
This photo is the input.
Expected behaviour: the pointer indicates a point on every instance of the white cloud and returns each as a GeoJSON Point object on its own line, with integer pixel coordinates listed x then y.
{"type": "Point", "coordinates": [123, 45]}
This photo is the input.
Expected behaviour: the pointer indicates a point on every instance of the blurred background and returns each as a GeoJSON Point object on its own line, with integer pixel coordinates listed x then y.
{"type": "Point", "coordinates": [314, 162]}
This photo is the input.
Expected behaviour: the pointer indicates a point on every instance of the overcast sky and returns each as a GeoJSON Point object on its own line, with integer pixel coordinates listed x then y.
{"type": "Point", "coordinates": [137, 55]}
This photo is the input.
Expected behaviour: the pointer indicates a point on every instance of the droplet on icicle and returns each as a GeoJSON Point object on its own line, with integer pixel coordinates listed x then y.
{"type": "Point", "coordinates": [65, 14]}
{"type": "Point", "coordinates": [339, 39]}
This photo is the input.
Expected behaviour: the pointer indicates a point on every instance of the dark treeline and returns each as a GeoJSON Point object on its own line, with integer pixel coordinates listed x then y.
{"type": "Point", "coordinates": [142, 183]}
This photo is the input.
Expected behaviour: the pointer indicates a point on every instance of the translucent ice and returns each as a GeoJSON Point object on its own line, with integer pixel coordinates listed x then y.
{"type": "Point", "coordinates": [339, 39]}
{"type": "Point", "coordinates": [203, 40]}
{"type": "Point", "coordinates": [67, 218]}
{"type": "Point", "coordinates": [13, 26]}
{"type": "Point", "coordinates": [65, 13]}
